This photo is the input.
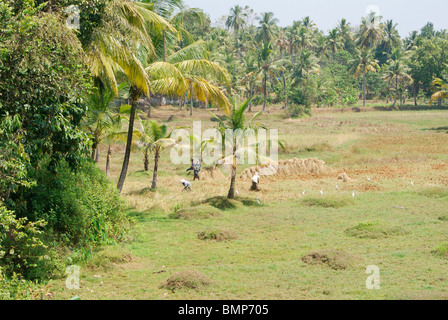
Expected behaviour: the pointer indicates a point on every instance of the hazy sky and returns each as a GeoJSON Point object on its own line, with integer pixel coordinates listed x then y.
{"type": "Point", "coordinates": [409, 14]}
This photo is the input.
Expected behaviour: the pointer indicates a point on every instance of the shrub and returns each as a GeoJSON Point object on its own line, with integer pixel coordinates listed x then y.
{"type": "Point", "coordinates": [22, 250]}
{"type": "Point", "coordinates": [15, 287]}
{"type": "Point", "coordinates": [296, 111]}
{"type": "Point", "coordinates": [80, 207]}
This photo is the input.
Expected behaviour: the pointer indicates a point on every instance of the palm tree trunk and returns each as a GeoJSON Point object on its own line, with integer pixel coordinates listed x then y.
{"type": "Point", "coordinates": [181, 101]}
{"type": "Point", "coordinates": [191, 99]}
{"type": "Point", "coordinates": [231, 194]}
{"type": "Point", "coordinates": [250, 95]}
{"type": "Point", "coordinates": [134, 95]}
{"type": "Point", "coordinates": [109, 152]}
{"type": "Point", "coordinates": [94, 147]}
{"type": "Point", "coordinates": [146, 161]}
{"type": "Point", "coordinates": [364, 89]}
{"type": "Point", "coordinates": [415, 94]}
{"type": "Point", "coordinates": [284, 88]}
{"type": "Point", "coordinates": [97, 157]}
{"type": "Point", "coordinates": [149, 108]}
{"type": "Point", "coordinates": [164, 46]}
{"type": "Point", "coordinates": [396, 92]}
{"type": "Point", "coordinates": [265, 93]}
{"type": "Point", "coordinates": [156, 166]}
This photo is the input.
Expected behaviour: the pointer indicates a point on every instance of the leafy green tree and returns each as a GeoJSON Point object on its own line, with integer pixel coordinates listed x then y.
{"type": "Point", "coordinates": [43, 79]}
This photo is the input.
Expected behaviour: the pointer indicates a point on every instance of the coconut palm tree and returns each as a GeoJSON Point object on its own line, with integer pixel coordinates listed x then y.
{"type": "Point", "coordinates": [156, 139]}
{"type": "Point", "coordinates": [250, 75]}
{"type": "Point", "coordinates": [371, 32]}
{"type": "Point", "coordinates": [442, 93]}
{"type": "Point", "coordinates": [140, 80]}
{"type": "Point", "coordinates": [309, 64]}
{"type": "Point", "coordinates": [237, 19]}
{"type": "Point", "coordinates": [363, 63]}
{"type": "Point", "coordinates": [114, 132]}
{"type": "Point", "coordinates": [265, 67]}
{"type": "Point", "coordinates": [236, 121]}
{"type": "Point", "coordinates": [198, 76]}
{"type": "Point", "coordinates": [99, 117]}
{"type": "Point", "coordinates": [111, 46]}
{"type": "Point", "coordinates": [265, 30]}
{"type": "Point", "coordinates": [396, 70]}
{"type": "Point", "coordinates": [334, 42]}
{"type": "Point", "coordinates": [346, 33]}
{"type": "Point", "coordinates": [391, 36]}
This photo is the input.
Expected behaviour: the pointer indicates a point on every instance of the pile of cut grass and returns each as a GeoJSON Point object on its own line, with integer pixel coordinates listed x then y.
{"type": "Point", "coordinates": [186, 280]}
{"type": "Point", "coordinates": [335, 259]}
{"type": "Point", "coordinates": [217, 235]}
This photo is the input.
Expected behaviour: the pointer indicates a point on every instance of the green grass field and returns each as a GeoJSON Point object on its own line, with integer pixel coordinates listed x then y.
{"type": "Point", "coordinates": [290, 246]}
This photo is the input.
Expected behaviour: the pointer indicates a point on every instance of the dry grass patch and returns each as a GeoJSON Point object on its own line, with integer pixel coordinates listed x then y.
{"type": "Point", "coordinates": [197, 212]}
{"type": "Point", "coordinates": [186, 280]}
{"type": "Point", "coordinates": [317, 147]}
{"type": "Point", "coordinates": [373, 230]}
{"type": "Point", "coordinates": [335, 259]}
{"type": "Point", "coordinates": [292, 168]}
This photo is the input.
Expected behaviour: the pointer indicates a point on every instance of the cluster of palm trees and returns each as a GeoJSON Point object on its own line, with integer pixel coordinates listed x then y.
{"type": "Point", "coordinates": [137, 51]}
{"type": "Point", "coordinates": [263, 55]}
{"type": "Point", "coordinates": [144, 49]}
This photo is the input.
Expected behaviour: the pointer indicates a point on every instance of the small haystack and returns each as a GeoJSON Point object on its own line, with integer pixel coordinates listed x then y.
{"type": "Point", "coordinates": [288, 168]}
{"type": "Point", "coordinates": [211, 173]}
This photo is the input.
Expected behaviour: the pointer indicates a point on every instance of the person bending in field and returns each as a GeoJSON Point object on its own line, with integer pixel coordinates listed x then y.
{"type": "Point", "coordinates": [255, 182]}
{"type": "Point", "coordinates": [187, 185]}
{"type": "Point", "coordinates": [196, 167]}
